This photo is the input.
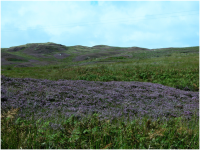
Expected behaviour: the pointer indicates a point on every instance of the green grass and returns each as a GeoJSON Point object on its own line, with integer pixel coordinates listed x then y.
{"type": "Point", "coordinates": [91, 133]}
{"type": "Point", "coordinates": [177, 70]}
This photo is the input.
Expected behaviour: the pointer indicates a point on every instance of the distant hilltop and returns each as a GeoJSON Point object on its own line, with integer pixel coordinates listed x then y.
{"type": "Point", "coordinates": [96, 46]}
{"type": "Point", "coordinates": [39, 54]}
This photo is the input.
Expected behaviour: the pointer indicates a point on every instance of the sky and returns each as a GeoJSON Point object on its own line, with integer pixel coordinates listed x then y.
{"type": "Point", "coordinates": [147, 24]}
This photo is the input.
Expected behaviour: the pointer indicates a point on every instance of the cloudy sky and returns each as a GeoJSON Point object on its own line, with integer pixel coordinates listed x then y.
{"type": "Point", "coordinates": [148, 24]}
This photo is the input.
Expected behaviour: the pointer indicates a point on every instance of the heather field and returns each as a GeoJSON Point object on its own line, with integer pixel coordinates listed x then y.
{"type": "Point", "coordinates": [139, 100]}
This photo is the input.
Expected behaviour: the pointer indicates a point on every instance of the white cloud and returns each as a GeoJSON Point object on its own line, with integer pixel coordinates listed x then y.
{"type": "Point", "coordinates": [111, 23]}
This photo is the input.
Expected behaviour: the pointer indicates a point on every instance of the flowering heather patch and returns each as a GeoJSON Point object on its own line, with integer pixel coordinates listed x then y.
{"type": "Point", "coordinates": [113, 100]}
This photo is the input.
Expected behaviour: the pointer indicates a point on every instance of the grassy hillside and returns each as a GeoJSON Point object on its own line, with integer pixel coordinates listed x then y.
{"type": "Point", "coordinates": [174, 67]}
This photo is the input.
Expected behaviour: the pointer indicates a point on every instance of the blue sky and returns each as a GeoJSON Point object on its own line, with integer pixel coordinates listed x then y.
{"type": "Point", "coordinates": [148, 24]}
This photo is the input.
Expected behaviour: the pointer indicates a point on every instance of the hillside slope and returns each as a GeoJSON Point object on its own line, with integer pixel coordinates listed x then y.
{"type": "Point", "coordinates": [37, 54]}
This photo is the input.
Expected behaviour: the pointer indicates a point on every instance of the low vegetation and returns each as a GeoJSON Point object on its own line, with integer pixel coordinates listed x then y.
{"type": "Point", "coordinates": [95, 134]}
{"type": "Point", "coordinates": [33, 111]}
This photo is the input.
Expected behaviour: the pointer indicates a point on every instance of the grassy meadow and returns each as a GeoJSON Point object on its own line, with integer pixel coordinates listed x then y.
{"type": "Point", "coordinates": [178, 70]}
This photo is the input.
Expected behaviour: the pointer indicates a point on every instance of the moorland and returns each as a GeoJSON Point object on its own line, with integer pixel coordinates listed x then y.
{"type": "Point", "coordinates": [57, 96]}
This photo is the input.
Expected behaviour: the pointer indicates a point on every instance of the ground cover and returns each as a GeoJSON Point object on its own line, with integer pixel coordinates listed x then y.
{"type": "Point", "coordinates": [145, 102]}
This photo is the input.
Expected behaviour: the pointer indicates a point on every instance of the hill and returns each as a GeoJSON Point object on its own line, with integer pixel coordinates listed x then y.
{"type": "Point", "coordinates": [39, 54]}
